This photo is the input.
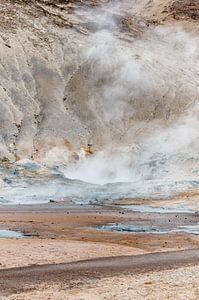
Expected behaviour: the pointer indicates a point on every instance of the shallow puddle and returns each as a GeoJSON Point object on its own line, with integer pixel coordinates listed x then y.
{"type": "Point", "coordinates": [10, 234]}
{"type": "Point", "coordinates": [174, 208]}
{"type": "Point", "coordinates": [134, 228]}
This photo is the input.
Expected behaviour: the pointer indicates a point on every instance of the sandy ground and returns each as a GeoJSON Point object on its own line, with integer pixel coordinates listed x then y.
{"type": "Point", "coordinates": [24, 252]}
{"type": "Point", "coordinates": [82, 273]}
{"type": "Point", "coordinates": [179, 284]}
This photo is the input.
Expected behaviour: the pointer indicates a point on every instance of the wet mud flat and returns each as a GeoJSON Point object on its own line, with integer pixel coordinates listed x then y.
{"type": "Point", "coordinates": [87, 223]}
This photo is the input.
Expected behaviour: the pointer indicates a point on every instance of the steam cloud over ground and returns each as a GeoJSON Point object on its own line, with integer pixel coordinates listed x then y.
{"type": "Point", "coordinates": [144, 97]}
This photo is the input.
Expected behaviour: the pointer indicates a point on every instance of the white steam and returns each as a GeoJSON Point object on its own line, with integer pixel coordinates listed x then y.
{"type": "Point", "coordinates": [145, 93]}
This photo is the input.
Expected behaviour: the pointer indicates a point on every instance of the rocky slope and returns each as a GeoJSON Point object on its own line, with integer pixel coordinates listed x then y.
{"type": "Point", "coordinates": [101, 72]}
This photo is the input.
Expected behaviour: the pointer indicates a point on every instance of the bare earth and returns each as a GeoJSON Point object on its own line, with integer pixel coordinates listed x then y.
{"type": "Point", "coordinates": [57, 236]}
{"type": "Point", "coordinates": [177, 284]}
{"type": "Point", "coordinates": [26, 252]}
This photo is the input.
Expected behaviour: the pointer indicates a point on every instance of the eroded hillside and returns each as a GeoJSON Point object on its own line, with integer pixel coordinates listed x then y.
{"type": "Point", "coordinates": [105, 72]}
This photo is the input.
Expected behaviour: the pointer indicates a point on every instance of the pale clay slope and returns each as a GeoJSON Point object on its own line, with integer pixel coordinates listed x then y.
{"type": "Point", "coordinates": [32, 87]}
{"type": "Point", "coordinates": [60, 89]}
